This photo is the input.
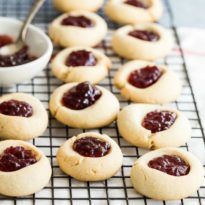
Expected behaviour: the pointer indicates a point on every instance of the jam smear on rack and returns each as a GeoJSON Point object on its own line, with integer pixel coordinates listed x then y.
{"type": "Point", "coordinates": [144, 35]}
{"type": "Point", "coordinates": [79, 21]}
{"type": "Point", "coordinates": [81, 96]}
{"type": "Point", "coordinates": [81, 58]}
{"type": "Point", "coordinates": [136, 3]}
{"type": "Point", "coordinates": [144, 77]}
{"type": "Point", "coordinates": [15, 158]}
{"type": "Point", "coordinates": [5, 40]}
{"type": "Point", "coordinates": [16, 108]}
{"type": "Point", "coordinates": [158, 121]}
{"type": "Point", "coordinates": [91, 147]}
{"type": "Point", "coordinates": [170, 164]}
{"type": "Point", "coordinates": [20, 57]}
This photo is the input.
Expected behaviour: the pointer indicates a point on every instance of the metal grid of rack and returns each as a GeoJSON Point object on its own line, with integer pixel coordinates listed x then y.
{"type": "Point", "coordinates": [64, 190]}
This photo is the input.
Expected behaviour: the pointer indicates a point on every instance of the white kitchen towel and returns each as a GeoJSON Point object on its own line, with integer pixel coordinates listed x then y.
{"type": "Point", "coordinates": [193, 45]}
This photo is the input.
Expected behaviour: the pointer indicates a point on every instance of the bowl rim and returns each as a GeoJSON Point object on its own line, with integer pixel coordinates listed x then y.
{"type": "Point", "coordinates": [39, 32]}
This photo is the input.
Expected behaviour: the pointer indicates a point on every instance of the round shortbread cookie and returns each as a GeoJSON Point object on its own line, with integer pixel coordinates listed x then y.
{"type": "Point", "coordinates": [159, 185]}
{"type": "Point", "coordinates": [86, 168]}
{"type": "Point", "coordinates": [131, 126]}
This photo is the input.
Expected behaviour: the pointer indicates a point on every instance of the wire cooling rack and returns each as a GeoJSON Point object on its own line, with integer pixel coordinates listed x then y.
{"type": "Point", "coordinates": [63, 190]}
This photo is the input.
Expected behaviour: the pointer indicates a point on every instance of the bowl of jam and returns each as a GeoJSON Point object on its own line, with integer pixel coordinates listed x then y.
{"type": "Point", "coordinates": [27, 62]}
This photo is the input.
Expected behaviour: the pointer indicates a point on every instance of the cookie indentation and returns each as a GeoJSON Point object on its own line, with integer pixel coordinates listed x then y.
{"type": "Point", "coordinates": [144, 77]}
{"type": "Point", "coordinates": [170, 164]}
{"type": "Point", "coordinates": [136, 3]}
{"type": "Point", "coordinates": [145, 35]}
{"type": "Point", "coordinates": [81, 96]}
{"type": "Point", "coordinates": [91, 147]}
{"type": "Point", "coordinates": [16, 108]}
{"type": "Point", "coordinates": [15, 158]}
{"type": "Point", "coordinates": [81, 58]}
{"type": "Point", "coordinates": [79, 21]}
{"type": "Point", "coordinates": [158, 121]}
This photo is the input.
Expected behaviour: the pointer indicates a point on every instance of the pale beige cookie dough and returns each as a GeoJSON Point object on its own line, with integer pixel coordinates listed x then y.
{"type": "Point", "coordinates": [166, 89]}
{"type": "Point", "coordinates": [94, 74]}
{"type": "Point", "coordinates": [23, 128]}
{"type": "Point", "coordinates": [68, 36]}
{"type": "Point", "coordinates": [162, 186]}
{"type": "Point", "coordinates": [130, 126]}
{"type": "Point", "coordinates": [120, 12]}
{"type": "Point", "coordinates": [101, 113]}
{"type": "Point", "coordinates": [134, 48]}
{"type": "Point", "coordinates": [27, 180]}
{"type": "Point", "coordinates": [70, 5]}
{"type": "Point", "coordinates": [89, 168]}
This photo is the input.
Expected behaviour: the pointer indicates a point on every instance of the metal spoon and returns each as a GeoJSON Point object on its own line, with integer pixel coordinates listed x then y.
{"type": "Point", "coordinates": [20, 42]}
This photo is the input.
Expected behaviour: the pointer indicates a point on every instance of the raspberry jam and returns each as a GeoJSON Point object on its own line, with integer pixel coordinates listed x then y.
{"type": "Point", "coordinates": [81, 96]}
{"type": "Point", "coordinates": [79, 21]}
{"type": "Point", "coordinates": [5, 40]}
{"type": "Point", "coordinates": [172, 165]}
{"type": "Point", "coordinates": [158, 121]}
{"type": "Point", "coordinates": [15, 158]}
{"type": "Point", "coordinates": [136, 3]}
{"type": "Point", "coordinates": [144, 77]}
{"type": "Point", "coordinates": [91, 147]}
{"type": "Point", "coordinates": [18, 58]}
{"type": "Point", "coordinates": [16, 108]}
{"type": "Point", "coordinates": [144, 35]}
{"type": "Point", "coordinates": [81, 58]}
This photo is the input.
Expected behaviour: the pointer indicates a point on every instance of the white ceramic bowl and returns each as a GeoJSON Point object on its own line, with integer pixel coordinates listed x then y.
{"type": "Point", "coordinates": [39, 45]}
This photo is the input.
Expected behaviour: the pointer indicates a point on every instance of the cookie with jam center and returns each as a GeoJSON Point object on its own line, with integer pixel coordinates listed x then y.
{"type": "Point", "coordinates": [146, 82]}
{"type": "Point", "coordinates": [145, 41]}
{"type": "Point", "coordinates": [83, 105]}
{"type": "Point", "coordinates": [78, 28]}
{"type": "Point", "coordinates": [22, 117]}
{"type": "Point", "coordinates": [167, 174]}
{"type": "Point", "coordinates": [134, 11]}
{"type": "Point", "coordinates": [79, 64]}
{"type": "Point", "coordinates": [90, 156]}
{"type": "Point", "coordinates": [26, 172]}
{"type": "Point", "coordinates": [153, 126]}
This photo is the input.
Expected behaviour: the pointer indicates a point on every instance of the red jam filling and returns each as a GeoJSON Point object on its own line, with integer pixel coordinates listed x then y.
{"type": "Point", "coordinates": [172, 165]}
{"type": "Point", "coordinates": [144, 77]}
{"type": "Point", "coordinates": [136, 3]}
{"type": "Point", "coordinates": [81, 58]}
{"type": "Point", "coordinates": [144, 35]}
{"type": "Point", "coordinates": [18, 58]}
{"type": "Point", "coordinates": [79, 21]}
{"type": "Point", "coordinates": [81, 96]}
{"type": "Point", "coordinates": [5, 40]}
{"type": "Point", "coordinates": [16, 108]}
{"type": "Point", "coordinates": [158, 121]}
{"type": "Point", "coordinates": [15, 158]}
{"type": "Point", "coordinates": [91, 147]}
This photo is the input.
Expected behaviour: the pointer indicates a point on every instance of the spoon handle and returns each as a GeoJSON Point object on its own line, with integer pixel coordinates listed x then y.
{"type": "Point", "coordinates": [35, 8]}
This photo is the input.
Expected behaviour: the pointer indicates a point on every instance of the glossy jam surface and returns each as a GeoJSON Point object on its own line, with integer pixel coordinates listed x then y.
{"type": "Point", "coordinates": [5, 40]}
{"type": "Point", "coordinates": [170, 164]}
{"type": "Point", "coordinates": [79, 21]}
{"type": "Point", "coordinates": [15, 158]}
{"type": "Point", "coordinates": [144, 77]}
{"type": "Point", "coordinates": [158, 121]}
{"type": "Point", "coordinates": [91, 147]}
{"type": "Point", "coordinates": [81, 58]}
{"type": "Point", "coordinates": [144, 35]}
{"type": "Point", "coordinates": [16, 108]}
{"type": "Point", "coordinates": [18, 58]}
{"type": "Point", "coordinates": [136, 3]}
{"type": "Point", "coordinates": [81, 96]}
